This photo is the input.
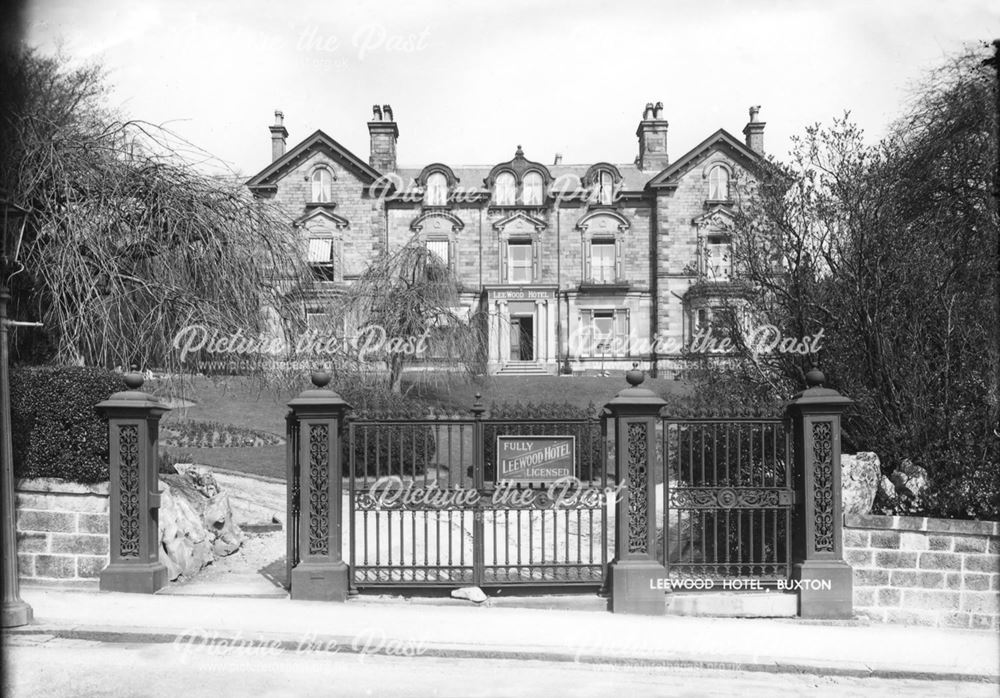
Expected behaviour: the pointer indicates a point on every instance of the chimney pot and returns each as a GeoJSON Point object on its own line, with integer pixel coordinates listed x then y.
{"type": "Point", "coordinates": [652, 133]}
{"type": "Point", "coordinates": [558, 159]}
{"type": "Point", "coordinates": [384, 133]}
{"type": "Point", "coordinates": [279, 135]}
{"type": "Point", "coordinates": [754, 131]}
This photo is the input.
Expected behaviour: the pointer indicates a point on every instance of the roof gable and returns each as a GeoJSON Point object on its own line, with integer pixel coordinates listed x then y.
{"type": "Point", "coordinates": [721, 140]}
{"type": "Point", "coordinates": [317, 142]}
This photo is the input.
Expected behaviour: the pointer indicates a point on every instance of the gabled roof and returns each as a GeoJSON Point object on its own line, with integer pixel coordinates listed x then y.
{"type": "Point", "coordinates": [720, 140]}
{"type": "Point", "coordinates": [317, 141]}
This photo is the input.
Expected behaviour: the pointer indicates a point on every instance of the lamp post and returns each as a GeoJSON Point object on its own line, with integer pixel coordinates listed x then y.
{"type": "Point", "coordinates": [15, 611]}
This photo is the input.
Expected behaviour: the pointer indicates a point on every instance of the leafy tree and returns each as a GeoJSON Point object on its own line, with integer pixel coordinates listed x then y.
{"type": "Point", "coordinates": [890, 250]}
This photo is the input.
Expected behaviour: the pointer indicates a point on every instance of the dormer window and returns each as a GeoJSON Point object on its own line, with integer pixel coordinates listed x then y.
{"type": "Point", "coordinates": [604, 186]}
{"type": "Point", "coordinates": [718, 184]}
{"type": "Point", "coordinates": [505, 189]}
{"type": "Point", "coordinates": [322, 186]}
{"type": "Point", "coordinates": [532, 189]}
{"type": "Point", "coordinates": [436, 193]}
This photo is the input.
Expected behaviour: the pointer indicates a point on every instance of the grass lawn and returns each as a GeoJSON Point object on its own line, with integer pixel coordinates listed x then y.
{"type": "Point", "coordinates": [243, 402]}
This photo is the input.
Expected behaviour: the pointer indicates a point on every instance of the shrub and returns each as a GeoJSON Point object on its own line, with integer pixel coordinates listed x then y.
{"type": "Point", "coordinates": [56, 430]}
{"type": "Point", "coordinates": [402, 449]}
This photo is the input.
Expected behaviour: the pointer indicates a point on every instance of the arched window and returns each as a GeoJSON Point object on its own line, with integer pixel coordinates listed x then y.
{"type": "Point", "coordinates": [322, 187]}
{"type": "Point", "coordinates": [605, 186]}
{"type": "Point", "coordinates": [436, 193]}
{"type": "Point", "coordinates": [532, 194]}
{"type": "Point", "coordinates": [504, 189]}
{"type": "Point", "coordinates": [718, 184]}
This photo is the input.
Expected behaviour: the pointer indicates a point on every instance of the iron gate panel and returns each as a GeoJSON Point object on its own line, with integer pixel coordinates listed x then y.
{"type": "Point", "coordinates": [728, 499]}
{"type": "Point", "coordinates": [449, 524]}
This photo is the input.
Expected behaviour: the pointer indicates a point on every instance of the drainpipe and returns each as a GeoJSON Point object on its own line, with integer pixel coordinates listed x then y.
{"type": "Point", "coordinates": [558, 287]}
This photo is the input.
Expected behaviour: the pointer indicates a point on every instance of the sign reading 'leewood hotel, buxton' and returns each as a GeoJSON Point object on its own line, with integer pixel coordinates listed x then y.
{"type": "Point", "coordinates": [535, 458]}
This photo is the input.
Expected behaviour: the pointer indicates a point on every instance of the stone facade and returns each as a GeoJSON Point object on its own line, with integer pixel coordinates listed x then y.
{"type": "Point", "coordinates": [925, 571]}
{"type": "Point", "coordinates": [568, 266]}
{"type": "Point", "coordinates": [62, 529]}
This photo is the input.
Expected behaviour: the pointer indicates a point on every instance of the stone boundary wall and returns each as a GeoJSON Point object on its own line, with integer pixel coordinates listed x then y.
{"type": "Point", "coordinates": [62, 529]}
{"type": "Point", "coordinates": [938, 572]}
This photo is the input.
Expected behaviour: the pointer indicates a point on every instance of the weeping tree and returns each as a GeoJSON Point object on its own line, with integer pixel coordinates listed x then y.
{"type": "Point", "coordinates": [128, 239]}
{"type": "Point", "coordinates": [405, 308]}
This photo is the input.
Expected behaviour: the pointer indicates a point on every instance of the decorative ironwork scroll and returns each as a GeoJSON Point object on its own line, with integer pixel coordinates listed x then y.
{"type": "Point", "coordinates": [729, 497]}
{"type": "Point", "coordinates": [638, 514]}
{"type": "Point", "coordinates": [128, 490]}
{"type": "Point", "coordinates": [822, 446]}
{"type": "Point", "coordinates": [319, 485]}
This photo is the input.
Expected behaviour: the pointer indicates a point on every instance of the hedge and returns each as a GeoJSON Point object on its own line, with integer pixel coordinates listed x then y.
{"type": "Point", "coordinates": [56, 430]}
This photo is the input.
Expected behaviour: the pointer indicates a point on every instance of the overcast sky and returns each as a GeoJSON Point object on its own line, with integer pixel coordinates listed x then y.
{"type": "Point", "coordinates": [469, 81]}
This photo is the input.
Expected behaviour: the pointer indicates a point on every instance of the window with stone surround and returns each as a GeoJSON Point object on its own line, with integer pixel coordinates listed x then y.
{"type": "Point", "coordinates": [321, 256]}
{"type": "Point", "coordinates": [606, 331]}
{"type": "Point", "coordinates": [603, 269]}
{"type": "Point", "coordinates": [322, 186]}
{"type": "Point", "coordinates": [440, 249]}
{"type": "Point", "coordinates": [504, 189]}
{"type": "Point", "coordinates": [603, 260]}
{"type": "Point", "coordinates": [436, 193]}
{"type": "Point", "coordinates": [717, 257]}
{"type": "Point", "coordinates": [520, 261]}
{"type": "Point", "coordinates": [718, 184]}
{"type": "Point", "coordinates": [532, 189]}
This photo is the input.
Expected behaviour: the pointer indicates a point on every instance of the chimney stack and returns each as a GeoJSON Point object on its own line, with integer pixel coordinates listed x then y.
{"type": "Point", "coordinates": [754, 131]}
{"type": "Point", "coordinates": [558, 159]}
{"type": "Point", "coordinates": [279, 135]}
{"type": "Point", "coordinates": [652, 133]}
{"type": "Point", "coordinates": [384, 134]}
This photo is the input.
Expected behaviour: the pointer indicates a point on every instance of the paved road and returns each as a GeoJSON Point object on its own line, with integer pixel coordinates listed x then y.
{"type": "Point", "coordinates": [54, 667]}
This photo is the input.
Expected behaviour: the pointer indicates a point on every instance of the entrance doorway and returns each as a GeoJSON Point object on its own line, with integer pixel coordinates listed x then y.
{"type": "Point", "coordinates": [522, 338]}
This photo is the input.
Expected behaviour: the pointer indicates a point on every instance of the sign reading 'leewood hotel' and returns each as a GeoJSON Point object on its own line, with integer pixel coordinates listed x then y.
{"type": "Point", "coordinates": [535, 458]}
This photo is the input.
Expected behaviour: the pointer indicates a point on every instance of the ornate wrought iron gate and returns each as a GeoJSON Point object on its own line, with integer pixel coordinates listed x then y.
{"type": "Point", "coordinates": [728, 498]}
{"type": "Point", "coordinates": [425, 508]}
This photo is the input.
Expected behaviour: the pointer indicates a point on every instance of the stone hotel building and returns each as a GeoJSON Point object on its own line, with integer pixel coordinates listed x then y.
{"type": "Point", "coordinates": [574, 267]}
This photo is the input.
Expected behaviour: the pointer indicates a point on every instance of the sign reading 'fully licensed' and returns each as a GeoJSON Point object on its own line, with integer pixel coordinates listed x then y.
{"type": "Point", "coordinates": [535, 458]}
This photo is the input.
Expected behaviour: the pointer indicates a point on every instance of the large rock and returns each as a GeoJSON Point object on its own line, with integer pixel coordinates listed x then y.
{"type": "Point", "coordinates": [909, 479]}
{"type": "Point", "coordinates": [860, 476]}
{"type": "Point", "coordinates": [196, 521]}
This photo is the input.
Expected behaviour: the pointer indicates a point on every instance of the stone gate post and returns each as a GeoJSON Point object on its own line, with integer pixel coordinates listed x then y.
{"type": "Point", "coordinates": [826, 579]}
{"type": "Point", "coordinates": [635, 570]}
{"type": "Point", "coordinates": [317, 415]}
{"type": "Point", "coordinates": [133, 433]}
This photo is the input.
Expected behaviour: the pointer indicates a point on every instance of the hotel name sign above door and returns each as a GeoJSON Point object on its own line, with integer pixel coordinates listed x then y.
{"type": "Point", "coordinates": [520, 293]}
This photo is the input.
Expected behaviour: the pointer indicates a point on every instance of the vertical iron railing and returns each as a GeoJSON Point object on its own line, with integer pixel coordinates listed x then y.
{"type": "Point", "coordinates": [425, 531]}
{"type": "Point", "coordinates": [728, 498]}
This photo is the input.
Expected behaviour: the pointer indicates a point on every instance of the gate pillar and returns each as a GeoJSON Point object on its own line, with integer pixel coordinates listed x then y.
{"type": "Point", "coordinates": [317, 417]}
{"type": "Point", "coordinates": [133, 434]}
{"type": "Point", "coordinates": [635, 571]}
{"type": "Point", "coordinates": [825, 578]}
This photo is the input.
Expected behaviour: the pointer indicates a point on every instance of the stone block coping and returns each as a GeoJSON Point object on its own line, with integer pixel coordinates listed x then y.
{"type": "Point", "coordinates": [55, 485]}
{"type": "Point", "coordinates": [924, 524]}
